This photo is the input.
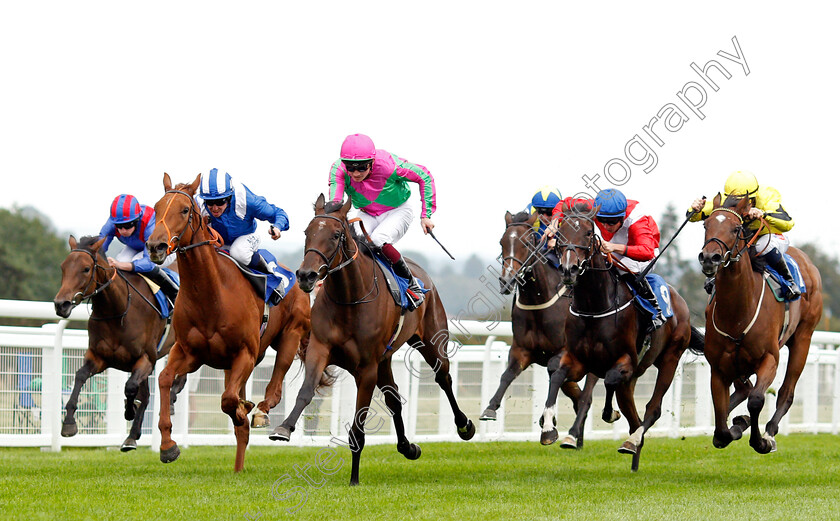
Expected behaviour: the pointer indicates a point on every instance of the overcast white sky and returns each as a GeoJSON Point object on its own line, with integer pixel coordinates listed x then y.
{"type": "Point", "coordinates": [496, 99]}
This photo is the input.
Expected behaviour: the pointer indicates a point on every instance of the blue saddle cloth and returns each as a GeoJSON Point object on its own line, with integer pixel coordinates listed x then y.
{"type": "Point", "coordinates": [401, 282]}
{"type": "Point", "coordinates": [163, 302]}
{"type": "Point", "coordinates": [663, 296]}
{"type": "Point", "coordinates": [793, 267]}
{"type": "Point", "coordinates": [281, 277]}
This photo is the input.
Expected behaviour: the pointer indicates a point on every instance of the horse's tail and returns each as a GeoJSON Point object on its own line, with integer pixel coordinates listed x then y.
{"type": "Point", "coordinates": [327, 378]}
{"type": "Point", "coordinates": [697, 342]}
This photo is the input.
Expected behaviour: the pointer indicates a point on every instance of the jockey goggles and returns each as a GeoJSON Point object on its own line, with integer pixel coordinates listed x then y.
{"type": "Point", "coordinates": [609, 221]}
{"type": "Point", "coordinates": [217, 202]}
{"type": "Point", "coordinates": [126, 226]}
{"type": "Point", "coordinates": [357, 166]}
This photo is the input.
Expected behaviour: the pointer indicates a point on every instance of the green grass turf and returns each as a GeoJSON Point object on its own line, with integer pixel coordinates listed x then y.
{"type": "Point", "coordinates": [678, 479]}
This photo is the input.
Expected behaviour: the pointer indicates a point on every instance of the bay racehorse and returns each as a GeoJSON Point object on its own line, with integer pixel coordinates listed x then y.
{"type": "Point", "coordinates": [358, 328]}
{"type": "Point", "coordinates": [606, 333]}
{"type": "Point", "coordinates": [538, 318]}
{"type": "Point", "coordinates": [746, 328]}
{"type": "Point", "coordinates": [125, 329]}
{"type": "Point", "coordinates": [218, 317]}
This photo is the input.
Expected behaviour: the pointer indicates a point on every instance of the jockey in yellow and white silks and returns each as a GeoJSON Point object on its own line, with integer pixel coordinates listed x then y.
{"type": "Point", "coordinates": [772, 242]}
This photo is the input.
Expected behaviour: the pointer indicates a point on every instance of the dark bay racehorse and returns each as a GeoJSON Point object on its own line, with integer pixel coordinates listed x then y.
{"type": "Point", "coordinates": [354, 324]}
{"type": "Point", "coordinates": [218, 316]}
{"type": "Point", "coordinates": [538, 317]}
{"type": "Point", "coordinates": [746, 328]}
{"type": "Point", "coordinates": [605, 332]}
{"type": "Point", "coordinates": [124, 329]}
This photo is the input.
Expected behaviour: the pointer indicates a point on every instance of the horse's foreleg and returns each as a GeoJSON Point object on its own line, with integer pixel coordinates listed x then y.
{"type": "Point", "coordinates": [365, 382]}
{"type": "Point", "coordinates": [724, 435]}
{"type": "Point", "coordinates": [518, 360]}
{"type": "Point", "coordinates": [317, 355]}
{"type": "Point", "coordinates": [797, 356]}
{"type": "Point", "coordinates": [627, 404]}
{"type": "Point", "coordinates": [764, 375]}
{"type": "Point", "coordinates": [666, 368]}
{"type": "Point", "coordinates": [143, 394]}
{"type": "Point", "coordinates": [234, 403]}
{"type": "Point", "coordinates": [92, 365]}
{"type": "Point", "coordinates": [574, 440]}
{"type": "Point", "coordinates": [742, 390]}
{"type": "Point", "coordinates": [177, 364]}
{"type": "Point", "coordinates": [393, 405]}
{"type": "Point", "coordinates": [139, 373]}
{"type": "Point", "coordinates": [559, 367]}
{"type": "Point", "coordinates": [286, 352]}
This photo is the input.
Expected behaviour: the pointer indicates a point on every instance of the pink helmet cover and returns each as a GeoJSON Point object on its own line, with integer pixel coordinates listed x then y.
{"type": "Point", "coordinates": [357, 147]}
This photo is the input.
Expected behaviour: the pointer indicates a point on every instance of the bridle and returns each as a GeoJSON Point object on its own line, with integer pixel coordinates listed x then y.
{"type": "Point", "coordinates": [342, 247]}
{"type": "Point", "coordinates": [729, 253]}
{"type": "Point", "coordinates": [97, 289]}
{"type": "Point", "coordinates": [173, 244]}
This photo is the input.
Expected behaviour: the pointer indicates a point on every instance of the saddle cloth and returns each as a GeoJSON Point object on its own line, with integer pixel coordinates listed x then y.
{"type": "Point", "coordinates": [164, 306]}
{"type": "Point", "coordinates": [264, 283]}
{"type": "Point", "coordinates": [779, 286]}
{"type": "Point", "coordinates": [396, 285]}
{"type": "Point", "coordinates": [660, 290]}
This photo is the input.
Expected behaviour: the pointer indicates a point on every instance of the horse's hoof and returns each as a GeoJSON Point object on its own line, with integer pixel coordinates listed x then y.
{"type": "Point", "coordinates": [613, 418]}
{"type": "Point", "coordinates": [719, 443]}
{"type": "Point", "coordinates": [280, 434]}
{"type": "Point", "coordinates": [171, 454]}
{"type": "Point", "coordinates": [69, 429]}
{"type": "Point", "coordinates": [627, 448]}
{"type": "Point", "coordinates": [247, 404]}
{"type": "Point", "coordinates": [411, 452]}
{"type": "Point", "coordinates": [467, 431]}
{"type": "Point", "coordinates": [488, 415]}
{"type": "Point", "coordinates": [549, 437]}
{"type": "Point", "coordinates": [259, 420]}
{"type": "Point", "coordinates": [772, 441]}
{"type": "Point", "coordinates": [742, 422]}
{"type": "Point", "coordinates": [765, 445]}
{"type": "Point", "coordinates": [569, 442]}
{"type": "Point", "coordinates": [128, 445]}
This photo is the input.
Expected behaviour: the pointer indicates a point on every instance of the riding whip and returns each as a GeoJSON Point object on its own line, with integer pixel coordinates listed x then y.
{"type": "Point", "coordinates": [642, 275]}
{"type": "Point", "coordinates": [441, 245]}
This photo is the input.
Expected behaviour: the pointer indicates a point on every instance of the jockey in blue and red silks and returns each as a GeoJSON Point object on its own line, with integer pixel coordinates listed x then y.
{"type": "Point", "coordinates": [131, 223]}
{"type": "Point", "coordinates": [377, 183]}
{"type": "Point", "coordinates": [233, 210]}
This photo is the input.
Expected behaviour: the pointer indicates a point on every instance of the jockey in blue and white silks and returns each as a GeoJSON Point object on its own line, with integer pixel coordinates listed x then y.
{"type": "Point", "coordinates": [132, 223]}
{"type": "Point", "coordinates": [233, 210]}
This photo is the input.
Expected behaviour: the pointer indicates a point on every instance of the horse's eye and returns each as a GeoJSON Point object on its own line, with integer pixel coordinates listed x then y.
{"type": "Point", "coordinates": [185, 211]}
{"type": "Point", "coordinates": [86, 270]}
{"type": "Point", "coordinates": [337, 234]}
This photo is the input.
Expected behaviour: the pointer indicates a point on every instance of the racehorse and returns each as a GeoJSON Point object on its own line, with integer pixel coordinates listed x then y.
{"type": "Point", "coordinates": [745, 329]}
{"type": "Point", "coordinates": [358, 327]}
{"type": "Point", "coordinates": [123, 333]}
{"type": "Point", "coordinates": [540, 308]}
{"type": "Point", "coordinates": [605, 332]}
{"type": "Point", "coordinates": [218, 317]}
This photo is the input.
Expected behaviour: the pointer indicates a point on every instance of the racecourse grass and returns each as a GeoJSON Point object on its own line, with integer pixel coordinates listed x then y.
{"type": "Point", "coordinates": [678, 479]}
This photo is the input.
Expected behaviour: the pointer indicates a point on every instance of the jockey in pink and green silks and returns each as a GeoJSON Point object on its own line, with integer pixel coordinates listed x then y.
{"type": "Point", "coordinates": [377, 183]}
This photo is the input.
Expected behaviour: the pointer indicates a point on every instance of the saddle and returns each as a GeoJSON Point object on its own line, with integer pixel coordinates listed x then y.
{"type": "Point", "coordinates": [263, 283]}
{"type": "Point", "coordinates": [779, 285]}
{"type": "Point", "coordinates": [397, 285]}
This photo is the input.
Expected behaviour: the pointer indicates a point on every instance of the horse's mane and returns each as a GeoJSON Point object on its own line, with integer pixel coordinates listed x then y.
{"type": "Point", "coordinates": [181, 186]}
{"type": "Point", "coordinates": [87, 241]}
{"type": "Point", "coordinates": [521, 217]}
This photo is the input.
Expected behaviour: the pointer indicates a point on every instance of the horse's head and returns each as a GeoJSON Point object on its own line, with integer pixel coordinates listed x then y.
{"type": "Point", "coordinates": [724, 229]}
{"type": "Point", "coordinates": [518, 246]}
{"type": "Point", "coordinates": [81, 275]}
{"type": "Point", "coordinates": [576, 241]}
{"type": "Point", "coordinates": [177, 219]}
{"type": "Point", "coordinates": [327, 237]}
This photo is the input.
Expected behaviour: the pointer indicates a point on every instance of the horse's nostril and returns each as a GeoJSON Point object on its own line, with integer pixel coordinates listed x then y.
{"type": "Point", "coordinates": [716, 258]}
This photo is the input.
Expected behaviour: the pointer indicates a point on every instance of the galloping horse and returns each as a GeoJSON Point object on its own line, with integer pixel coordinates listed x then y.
{"type": "Point", "coordinates": [605, 333]}
{"type": "Point", "coordinates": [355, 325]}
{"type": "Point", "coordinates": [538, 318]}
{"type": "Point", "coordinates": [217, 319]}
{"type": "Point", "coordinates": [745, 329]}
{"type": "Point", "coordinates": [120, 335]}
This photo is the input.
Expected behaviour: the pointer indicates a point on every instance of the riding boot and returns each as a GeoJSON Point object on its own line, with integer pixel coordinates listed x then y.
{"type": "Point", "coordinates": [777, 261]}
{"type": "Point", "coordinates": [162, 279]}
{"type": "Point", "coordinates": [646, 293]}
{"type": "Point", "coordinates": [414, 293]}
{"type": "Point", "coordinates": [259, 264]}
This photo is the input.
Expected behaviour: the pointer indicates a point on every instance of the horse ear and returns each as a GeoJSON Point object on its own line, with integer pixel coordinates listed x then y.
{"type": "Point", "coordinates": [508, 217]}
{"type": "Point", "coordinates": [743, 206]}
{"type": "Point", "coordinates": [98, 244]}
{"type": "Point", "coordinates": [319, 205]}
{"type": "Point", "coordinates": [345, 208]}
{"type": "Point", "coordinates": [533, 218]}
{"type": "Point", "coordinates": [167, 182]}
{"type": "Point", "coordinates": [716, 201]}
{"type": "Point", "coordinates": [73, 243]}
{"type": "Point", "coordinates": [191, 189]}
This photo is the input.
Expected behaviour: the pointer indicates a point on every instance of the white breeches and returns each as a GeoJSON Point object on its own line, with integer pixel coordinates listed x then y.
{"type": "Point", "coordinates": [131, 255]}
{"type": "Point", "coordinates": [244, 247]}
{"type": "Point", "coordinates": [768, 241]}
{"type": "Point", "coordinates": [389, 227]}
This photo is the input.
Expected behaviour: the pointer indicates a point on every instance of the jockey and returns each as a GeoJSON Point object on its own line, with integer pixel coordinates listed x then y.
{"type": "Point", "coordinates": [629, 234]}
{"type": "Point", "coordinates": [233, 210]}
{"type": "Point", "coordinates": [766, 201]}
{"type": "Point", "coordinates": [377, 183]}
{"type": "Point", "coordinates": [131, 223]}
{"type": "Point", "coordinates": [542, 204]}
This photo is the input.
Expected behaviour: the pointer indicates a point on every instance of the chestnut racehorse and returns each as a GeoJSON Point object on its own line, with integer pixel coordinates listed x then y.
{"type": "Point", "coordinates": [605, 332]}
{"type": "Point", "coordinates": [358, 327]}
{"type": "Point", "coordinates": [745, 328]}
{"type": "Point", "coordinates": [124, 329]}
{"type": "Point", "coordinates": [218, 316]}
{"type": "Point", "coordinates": [538, 317]}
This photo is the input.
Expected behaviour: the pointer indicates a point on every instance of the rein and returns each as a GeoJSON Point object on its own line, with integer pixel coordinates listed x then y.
{"type": "Point", "coordinates": [174, 240]}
